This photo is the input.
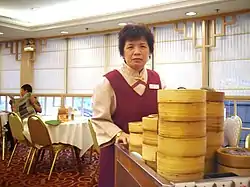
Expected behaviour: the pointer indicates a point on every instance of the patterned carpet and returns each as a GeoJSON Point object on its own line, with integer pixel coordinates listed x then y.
{"type": "Point", "coordinates": [65, 173]}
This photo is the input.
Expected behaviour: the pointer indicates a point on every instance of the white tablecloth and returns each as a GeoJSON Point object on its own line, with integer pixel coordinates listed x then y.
{"type": "Point", "coordinates": [74, 133]}
{"type": "Point", "coordinates": [4, 118]}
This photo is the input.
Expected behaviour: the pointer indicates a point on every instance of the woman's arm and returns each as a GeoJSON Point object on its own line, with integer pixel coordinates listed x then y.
{"type": "Point", "coordinates": [104, 105]}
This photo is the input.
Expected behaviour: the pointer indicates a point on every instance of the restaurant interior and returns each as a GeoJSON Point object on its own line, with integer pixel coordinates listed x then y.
{"type": "Point", "coordinates": [62, 48]}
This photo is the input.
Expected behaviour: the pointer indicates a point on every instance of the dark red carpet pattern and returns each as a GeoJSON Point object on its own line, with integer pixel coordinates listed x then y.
{"type": "Point", "coordinates": [65, 173]}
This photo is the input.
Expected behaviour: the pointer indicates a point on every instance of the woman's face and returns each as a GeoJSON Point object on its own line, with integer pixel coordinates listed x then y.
{"type": "Point", "coordinates": [136, 53]}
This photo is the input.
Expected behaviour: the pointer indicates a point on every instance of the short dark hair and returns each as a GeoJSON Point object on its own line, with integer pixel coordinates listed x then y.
{"type": "Point", "coordinates": [135, 31]}
{"type": "Point", "coordinates": [27, 87]}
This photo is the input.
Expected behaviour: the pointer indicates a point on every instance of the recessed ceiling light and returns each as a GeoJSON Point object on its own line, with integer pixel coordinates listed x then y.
{"type": "Point", "coordinates": [64, 32]}
{"type": "Point", "coordinates": [34, 8]}
{"type": "Point", "coordinates": [191, 13]}
{"type": "Point", "coordinates": [1, 33]}
{"type": "Point", "coordinates": [122, 24]}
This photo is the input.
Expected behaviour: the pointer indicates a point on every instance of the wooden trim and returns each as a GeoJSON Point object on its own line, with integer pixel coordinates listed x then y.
{"type": "Point", "coordinates": [228, 98]}
{"type": "Point", "coordinates": [237, 98]}
{"type": "Point", "coordinates": [50, 95]}
{"type": "Point", "coordinates": [205, 53]}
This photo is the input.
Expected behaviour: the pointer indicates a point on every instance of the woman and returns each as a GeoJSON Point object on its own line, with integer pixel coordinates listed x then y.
{"type": "Point", "coordinates": [124, 95]}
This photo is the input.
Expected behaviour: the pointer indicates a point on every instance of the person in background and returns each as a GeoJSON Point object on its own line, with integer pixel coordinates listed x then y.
{"type": "Point", "coordinates": [26, 88]}
{"type": "Point", "coordinates": [124, 95]}
{"type": "Point", "coordinates": [23, 110]}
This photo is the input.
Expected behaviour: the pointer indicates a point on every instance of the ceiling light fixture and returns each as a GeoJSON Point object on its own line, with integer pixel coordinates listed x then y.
{"type": "Point", "coordinates": [1, 33]}
{"type": "Point", "coordinates": [34, 8]}
{"type": "Point", "coordinates": [191, 13]}
{"type": "Point", "coordinates": [64, 32]}
{"type": "Point", "coordinates": [122, 24]}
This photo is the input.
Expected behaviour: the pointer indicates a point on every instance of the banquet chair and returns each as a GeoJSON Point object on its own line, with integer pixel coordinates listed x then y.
{"type": "Point", "coordinates": [232, 131]}
{"type": "Point", "coordinates": [41, 141]}
{"type": "Point", "coordinates": [16, 127]}
{"type": "Point", "coordinates": [2, 136]}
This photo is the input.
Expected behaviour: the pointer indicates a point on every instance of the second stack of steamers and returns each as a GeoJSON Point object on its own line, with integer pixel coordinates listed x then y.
{"type": "Point", "coordinates": [181, 134]}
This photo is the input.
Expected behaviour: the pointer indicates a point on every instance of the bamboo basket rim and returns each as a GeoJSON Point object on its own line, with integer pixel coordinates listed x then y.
{"type": "Point", "coordinates": [183, 90]}
{"type": "Point", "coordinates": [177, 157]}
{"type": "Point", "coordinates": [152, 116]}
{"type": "Point", "coordinates": [220, 151]}
{"type": "Point", "coordinates": [182, 138]}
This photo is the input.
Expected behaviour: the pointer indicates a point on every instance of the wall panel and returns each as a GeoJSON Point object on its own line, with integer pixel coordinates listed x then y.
{"type": "Point", "coordinates": [49, 68]}
{"type": "Point", "coordinates": [176, 59]}
{"type": "Point", "coordinates": [86, 63]}
{"type": "Point", "coordinates": [9, 69]}
{"type": "Point", "coordinates": [230, 59]}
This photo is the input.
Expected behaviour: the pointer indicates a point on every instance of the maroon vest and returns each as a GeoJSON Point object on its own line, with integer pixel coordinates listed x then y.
{"type": "Point", "coordinates": [130, 106]}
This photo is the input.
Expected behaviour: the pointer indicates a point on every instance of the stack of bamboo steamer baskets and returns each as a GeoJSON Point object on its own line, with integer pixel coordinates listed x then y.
{"type": "Point", "coordinates": [215, 127]}
{"type": "Point", "coordinates": [150, 140]}
{"type": "Point", "coordinates": [135, 137]}
{"type": "Point", "coordinates": [181, 134]}
{"type": "Point", "coordinates": [235, 160]}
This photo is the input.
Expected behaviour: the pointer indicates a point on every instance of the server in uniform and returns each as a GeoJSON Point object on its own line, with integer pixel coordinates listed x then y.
{"type": "Point", "coordinates": [124, 95]}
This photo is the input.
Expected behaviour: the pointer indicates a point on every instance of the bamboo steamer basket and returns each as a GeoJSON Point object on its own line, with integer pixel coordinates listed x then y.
{"type": "Point", "coordinates": [137, 149]}
{"type": "Point", "coordinates": [181, 96]}
{"type": "Point", "coordinates": [176, 129]}
{"type": "Point", "coordinates": [152, 164]}
{"type": "Point", "coordinates": [180, 169]}
{"type": "Point", "coordinates": [215, 127]}
{"type": "Point", "coordinates": [215, 124]}
{"type": "Point", "coordinates": [234, 157]}
{"type": "Point", "coordinates": [210, 159]}
{"type": "Point", "coordinates": [150, 123]}
{"type": "Point", "coordinates": [182, 177]}
{"type": "Point", "coordinates": [135, 135]}
{"type": "Point", "coordinates": [182, 147]}
{"type": "Point", "coordinates": [150, 137]}
{"type": "Point", "coordinates": [215, 138]}
{"type": "Point", "coordinates": [182, 105]}
{"type": "Point", "coordinates": [210, 165]}
{"type": "Point", "coordinates": [135, 127]}
{"type": "Point", "coordinates": [215, 110]}
{"type": "Point", "coordinates": [180, 165]}
{"type": "Point", "coordinates": [135, 139]}
{"type": "Point", "coordinates": [238, 171]}
{"type": "Point", "coordinates": [149, 152]}
{"type": "Point", "coordinates": [182, 111]}
{"type": "Point", "coordinates": [211, 152]}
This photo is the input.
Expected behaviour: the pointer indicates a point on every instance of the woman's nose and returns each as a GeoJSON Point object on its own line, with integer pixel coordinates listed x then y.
{"type": "Point", "coordinates": [137, 50]}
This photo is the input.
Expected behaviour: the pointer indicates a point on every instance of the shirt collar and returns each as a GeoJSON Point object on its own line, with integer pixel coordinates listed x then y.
{"type": "Point", "coordinates": [131, 72]}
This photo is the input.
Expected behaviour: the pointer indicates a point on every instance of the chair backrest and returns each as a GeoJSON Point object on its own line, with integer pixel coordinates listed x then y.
{"type": "Point", "coordinates": [93, 134]}
{"type": "Point", "coordinates": [16, 126]}
{"type": "Point", "coordinates": [38, 131]}
{"type": "Point", "coordinates": [232, 130]}
{"type": "Point", "coordinates": [247, 141]}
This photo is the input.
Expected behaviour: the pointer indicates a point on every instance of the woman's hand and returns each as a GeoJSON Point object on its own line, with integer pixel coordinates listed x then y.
{"type": "Point", "coordinates": [122, 138]}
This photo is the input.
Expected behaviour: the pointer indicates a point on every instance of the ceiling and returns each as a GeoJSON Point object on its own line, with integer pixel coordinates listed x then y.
{"type": "Point", "coordinates": [43, 18]}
